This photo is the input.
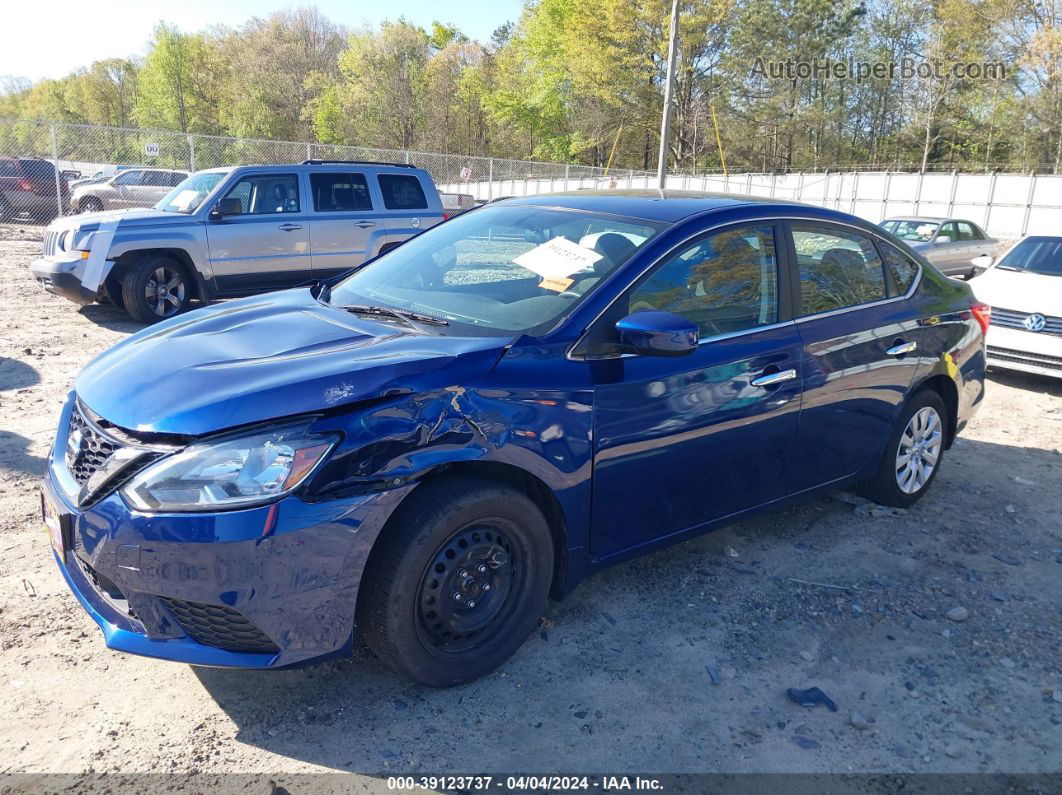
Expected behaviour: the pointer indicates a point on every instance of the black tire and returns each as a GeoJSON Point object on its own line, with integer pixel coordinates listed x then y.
{"type": "Point", "coordinates": [141, 278]}
{"type": "Point", "coordinates": [901, 488]}
{"type": "Point", "coordinates": [466, 537]}
{"type": "Point", "coordinates": [5, 210]}
{"type": "Point", "coordinates": [111, 293]}
{"type": "Point", "coordinates": [90, 204]}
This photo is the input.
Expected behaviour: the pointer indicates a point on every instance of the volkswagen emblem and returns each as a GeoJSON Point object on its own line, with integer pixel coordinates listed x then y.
{"type": "Point", "coordinates": [1035, 322]}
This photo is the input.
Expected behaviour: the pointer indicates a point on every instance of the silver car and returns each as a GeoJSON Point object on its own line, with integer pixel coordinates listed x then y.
{"type": "Point", "coordinates": [949, 243]}
{"type": "Point", "coordinates": [134, 187]}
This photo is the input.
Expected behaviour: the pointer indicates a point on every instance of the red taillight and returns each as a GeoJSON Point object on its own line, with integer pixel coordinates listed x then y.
{"type": "Point", "coordinates": [24, 184]}
{"type": "Point", "coordinates": [446, 216]}
{"type": "Point", "coordinates": [983, 313]}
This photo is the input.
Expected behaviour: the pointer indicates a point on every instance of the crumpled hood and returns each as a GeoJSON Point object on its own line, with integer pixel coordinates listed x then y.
{"type": "Point", "coordinates": [266, 357]}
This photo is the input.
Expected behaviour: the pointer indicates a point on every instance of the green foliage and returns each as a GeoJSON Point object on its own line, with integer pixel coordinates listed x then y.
{"type": "Point", "coordinates": [571, 78]}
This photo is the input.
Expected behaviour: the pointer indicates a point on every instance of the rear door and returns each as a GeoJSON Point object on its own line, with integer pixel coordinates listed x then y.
{"type": "Point", "coordinates": [346, 226]}
{"type": "Point", "coordinates": [858, 361]}
{"type": "Point", "coordinates": [266, 245]}
{"type": "Point", "coordinates": [682, 441]}
{"type": "Point", "coordinates": [405, 203]}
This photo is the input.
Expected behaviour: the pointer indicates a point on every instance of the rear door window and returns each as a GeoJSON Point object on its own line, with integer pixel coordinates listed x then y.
{"type": "Point", "coordinates": [838, 268]}
{"type": "Point", "coordinates": [402, 192]}
{"type": "Point", "coordinates": [337, 192]}
{"type": "Point", "coordinates": [968, 231]}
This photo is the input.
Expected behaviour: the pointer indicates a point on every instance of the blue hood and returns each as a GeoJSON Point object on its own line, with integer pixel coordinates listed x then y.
{"type": "Point", "coordinates": [266, 357]}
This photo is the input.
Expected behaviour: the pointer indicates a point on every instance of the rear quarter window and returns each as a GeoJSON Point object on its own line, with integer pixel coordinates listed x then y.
{"type": "Point", "coordinates": [402, 192]}
{"type": "Point", "coordinates": [902, 268]}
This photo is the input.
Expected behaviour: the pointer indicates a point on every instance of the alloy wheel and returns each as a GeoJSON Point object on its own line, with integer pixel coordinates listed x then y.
{"type": "Point", "coordinates": [919, 450]}
{"type": "Point", "coordinates": [165, 292]}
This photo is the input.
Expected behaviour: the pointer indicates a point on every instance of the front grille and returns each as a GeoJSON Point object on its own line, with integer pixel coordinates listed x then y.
{"type": "Point", "coordinates": [218, 626]}
{"type": "Point", "coordinates": [87, 450]}
{"type": "Point", "coordinates": [51, 240]}
{"type": "Point", "coordinates": [1024, 357]}
{"type": "Point", "coordinates": [1009, 318]}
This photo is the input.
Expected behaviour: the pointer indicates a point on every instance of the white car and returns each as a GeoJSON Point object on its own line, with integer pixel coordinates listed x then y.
{"type": "Point", "coordinates": [1024, 290]}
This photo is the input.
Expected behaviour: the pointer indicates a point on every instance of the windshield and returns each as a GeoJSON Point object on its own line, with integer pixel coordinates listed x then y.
{"type": "Point", "coordinates": [187, 196]}
{"type": "Point", "coordinates": [501, 269]}
{"type": "Point", "coordinates": [1041, 255]}
{"type": "Point", "coordinates": [919, 231]}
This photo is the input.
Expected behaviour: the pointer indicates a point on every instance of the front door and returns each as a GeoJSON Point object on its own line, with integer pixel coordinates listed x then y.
{"type": "Point", "coordinates": [682, 441]}
{"type": "Point", "coordinates": [860, 349]}
{"type": "Point", "coordinates": [263, 241]}
{"type": "Point", "coordinates": [345, 229]}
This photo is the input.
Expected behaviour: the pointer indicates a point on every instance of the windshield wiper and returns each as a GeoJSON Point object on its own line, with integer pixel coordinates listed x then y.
{"type": "Point", "coordinates": [411, 319]}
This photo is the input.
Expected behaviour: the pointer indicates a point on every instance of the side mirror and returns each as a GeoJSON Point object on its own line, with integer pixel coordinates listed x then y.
{"type": "Point", "coordinates": [943, 239]}
{"type": "Point", "coordinates": [225, 207]}
{"type": "Point", "coordinates": [654, 333]}
{"type": "Point", "coordinates": [984, 261]}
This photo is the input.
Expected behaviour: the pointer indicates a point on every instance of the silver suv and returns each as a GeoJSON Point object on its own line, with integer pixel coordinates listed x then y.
{"type": "Point", "coordinates": [229, 232]}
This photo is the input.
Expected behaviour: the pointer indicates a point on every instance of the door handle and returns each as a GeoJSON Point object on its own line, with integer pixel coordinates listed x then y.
{"type": "Point", "coordinates": [365, 224]}
{"type": "Point", "coordinates": [289, 227]}
{"type": "Point", "coordinates": [777, 377]}
{"type": "Point", "coordinates": [900, 348]}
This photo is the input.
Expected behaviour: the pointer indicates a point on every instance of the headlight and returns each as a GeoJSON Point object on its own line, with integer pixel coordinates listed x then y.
{"type": "Point", "coordinates": [233, 473]}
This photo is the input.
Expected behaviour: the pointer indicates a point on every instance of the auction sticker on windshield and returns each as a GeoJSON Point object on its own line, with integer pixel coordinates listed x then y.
{"type": "Point", "coordinates": [557, 258]}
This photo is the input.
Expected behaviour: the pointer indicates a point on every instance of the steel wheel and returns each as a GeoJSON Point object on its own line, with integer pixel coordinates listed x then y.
{"type": "Point", "coordinates": [919, 450]}
{"type": "Point", "coordinates": [464, 592]}
{"type": "Point", "coordinates": [165, 291]}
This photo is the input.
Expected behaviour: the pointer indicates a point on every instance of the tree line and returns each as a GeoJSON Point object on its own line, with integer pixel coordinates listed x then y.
{"type": "Point", "coordinates": [967, 84]}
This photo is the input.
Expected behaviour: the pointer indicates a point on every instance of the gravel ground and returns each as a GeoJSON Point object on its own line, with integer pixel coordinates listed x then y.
{"type": "Point", "coordinates": [678, 661]}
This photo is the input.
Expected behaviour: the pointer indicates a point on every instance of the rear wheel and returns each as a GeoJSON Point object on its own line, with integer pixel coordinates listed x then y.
{"type": "Point", "coordinates": [155, 288]}
{"type": "Point", "coordinates": [913, 454]}
{"type": "Point", "coordinates": [459, 582]}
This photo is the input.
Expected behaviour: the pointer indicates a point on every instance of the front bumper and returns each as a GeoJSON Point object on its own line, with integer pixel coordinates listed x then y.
{"type": "Point", "coordinates": [286, 575]}
{"type": "Point", "coordinates": [62, 277]}
{"type": "Point", "coordinates": [1025, 351]}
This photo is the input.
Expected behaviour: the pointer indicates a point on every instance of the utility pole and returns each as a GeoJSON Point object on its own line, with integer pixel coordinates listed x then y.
{"type": "Point", "coordinates": [669, 86]}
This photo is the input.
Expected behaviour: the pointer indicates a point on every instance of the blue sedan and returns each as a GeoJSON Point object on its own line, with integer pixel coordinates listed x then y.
{"type": "Point", "coordinates": [424, 452]}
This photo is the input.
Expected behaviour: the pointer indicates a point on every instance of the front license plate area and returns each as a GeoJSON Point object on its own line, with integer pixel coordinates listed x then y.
{"type": "Point", "coordinates": [56, 524]}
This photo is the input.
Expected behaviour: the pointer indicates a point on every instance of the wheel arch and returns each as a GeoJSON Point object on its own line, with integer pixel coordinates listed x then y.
{"type": "Point", "coordinates": [195, 280]}
{"type": "Point", "coordinates": [513, 476]}
{"type": "Point", "coordinates": [949, 393]}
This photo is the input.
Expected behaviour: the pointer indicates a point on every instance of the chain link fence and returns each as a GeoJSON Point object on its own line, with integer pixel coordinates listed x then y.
{"type": "Point", "coordinates": [49, 169]}
{"type": "Point", "coordinates": [52, 168]}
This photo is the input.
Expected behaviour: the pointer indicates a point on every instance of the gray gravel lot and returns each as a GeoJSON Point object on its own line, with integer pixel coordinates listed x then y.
{"type": "Point", "coordinates": [675, 662]}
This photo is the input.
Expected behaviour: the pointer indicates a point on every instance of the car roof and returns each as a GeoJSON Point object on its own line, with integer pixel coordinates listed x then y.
{"type": "Point", "coordinates": [667, 206]}
{"type": "Point", "coordinates": [936, 219]}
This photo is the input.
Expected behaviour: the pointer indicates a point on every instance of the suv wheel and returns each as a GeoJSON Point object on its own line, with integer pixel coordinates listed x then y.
{"type": "Point", "coordinates": [913, 454]}
{"type": "Point", "coordinates": [155, 288]}
{"type": "Point", "coordinates": [459, 582]}
{"type": "Point", "coordinates": [5, 210]}
{"type": "Point", "coordinates": [90, 204]}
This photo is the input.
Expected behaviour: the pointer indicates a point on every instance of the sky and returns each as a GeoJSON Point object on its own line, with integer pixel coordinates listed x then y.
{"type": "Point", "coordinates": [75, 33]}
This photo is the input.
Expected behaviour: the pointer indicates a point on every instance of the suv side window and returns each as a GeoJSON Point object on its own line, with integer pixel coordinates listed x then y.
{"type": "Point", "coordinates": [7, 168]}
{"type": "Point", "coordinates": [334, 192]}
{"type": "Point", "coordinates": [838, 268]}
{"type": "Point", "coordinates": [402, 192]}
{"type": "Point", "coordinates": [155, 179]}
{"type": "Point", "coordinates": [130, 177]}
{"type": "Point", "coordinates": [725, 282]}
{"type": "Point", "coordinates": [903, 269]}
{"type": "Point", "coordinates": [265, 194]}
